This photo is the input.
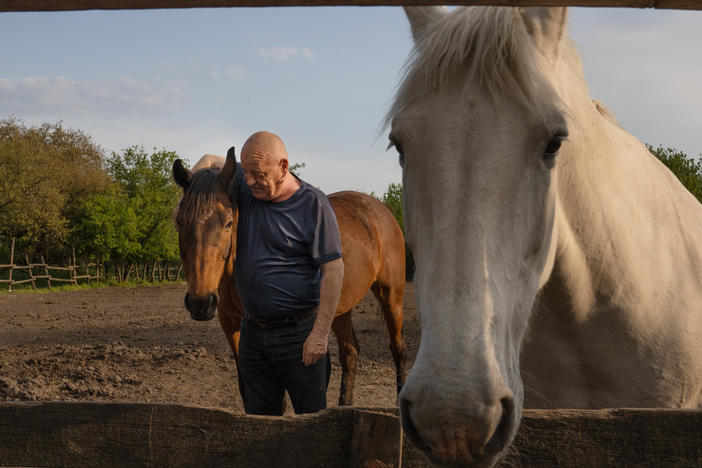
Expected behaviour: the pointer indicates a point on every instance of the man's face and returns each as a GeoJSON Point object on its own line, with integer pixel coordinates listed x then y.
{"type": "Point", "coordinates": [263, 176]}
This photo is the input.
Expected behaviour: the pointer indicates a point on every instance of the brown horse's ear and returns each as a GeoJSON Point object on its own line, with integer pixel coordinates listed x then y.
{"type": "Point", "coordinates": [226, 175]}
{"type": "Point", "coordinates": [181, 175]}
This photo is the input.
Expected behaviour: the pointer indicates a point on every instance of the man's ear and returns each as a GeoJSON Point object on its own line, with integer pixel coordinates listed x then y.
{"type": "Point", "coordinates": [284, 164]}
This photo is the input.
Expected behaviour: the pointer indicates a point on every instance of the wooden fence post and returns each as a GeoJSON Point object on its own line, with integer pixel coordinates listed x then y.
{"type": "Point", "coordinates": [74, 270]}
{"type": "Point", "coordinates": [12, 265]}
{"type": "Point", "coordinates": [376, 440]}
{"type": "Point", "coordinates": [29, 270]}
{"type": "Point", "coordinates": [46, 271]}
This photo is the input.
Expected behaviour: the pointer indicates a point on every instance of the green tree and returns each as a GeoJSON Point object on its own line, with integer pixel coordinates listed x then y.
{"type": "Point", "coordinates": [297, 168]}
{"type": "Point", "coordinates": [45, 173]}
{"type": "Point", "coordinates": [108, 227]}
{"type": "Point", "coordinates": [687, 170]}
{"type": "Point", "coordinates": [149, 191]}
{"type": "Point", "coordinates": [393, 200]}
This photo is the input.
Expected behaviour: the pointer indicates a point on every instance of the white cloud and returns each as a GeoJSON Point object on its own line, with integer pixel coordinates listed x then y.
{"type": "Point", "coordinates": [284, 54]}
{"type": "Point", "coordinates": [194, 71]}
{"type": "Point", "coordinates": [238, 73]}
{"type": "Point", "coordinates": [307, 53]}
{"type": "Point", "coordinates": [66, 95]}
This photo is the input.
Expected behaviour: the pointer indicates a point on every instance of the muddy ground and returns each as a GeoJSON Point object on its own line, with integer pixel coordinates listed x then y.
{"type": "Point", "coordinates": [140, 345]}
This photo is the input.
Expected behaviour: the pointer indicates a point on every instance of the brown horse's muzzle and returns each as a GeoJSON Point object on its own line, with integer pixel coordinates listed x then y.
{"type": "Point", "coordinates": [201, 308]}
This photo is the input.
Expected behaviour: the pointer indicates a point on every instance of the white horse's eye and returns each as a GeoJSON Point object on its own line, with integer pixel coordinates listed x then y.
{"type": "Point", "coordinates": [552, 148]}
{"type": "Point", "coordinates": [398, 148]}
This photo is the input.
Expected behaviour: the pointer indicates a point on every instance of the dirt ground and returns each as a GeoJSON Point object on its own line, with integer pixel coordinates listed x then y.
{"type": "Point", "coordinates": [140, 345]}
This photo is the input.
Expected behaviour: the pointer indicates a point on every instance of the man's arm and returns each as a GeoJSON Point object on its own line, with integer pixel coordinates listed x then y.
{"type": "Point", "coordinates": [210, 160]}
{"type": "Point", "coordinates": [330, 290]}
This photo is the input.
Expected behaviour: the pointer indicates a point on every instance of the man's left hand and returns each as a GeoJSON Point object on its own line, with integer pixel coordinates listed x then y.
{"type": "Point", "coordinates": [315, 347]}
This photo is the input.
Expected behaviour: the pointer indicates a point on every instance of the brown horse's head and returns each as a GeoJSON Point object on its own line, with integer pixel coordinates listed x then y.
{"type": "Point", "coordinates": [206, 223]}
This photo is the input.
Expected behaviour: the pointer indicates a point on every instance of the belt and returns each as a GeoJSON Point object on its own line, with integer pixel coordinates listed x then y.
{"type": "Point", "coordinates": [286, 322]}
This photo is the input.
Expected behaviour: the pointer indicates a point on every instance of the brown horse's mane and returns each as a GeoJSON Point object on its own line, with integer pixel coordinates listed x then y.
{"type": "Point", "coordinates": [199, 199]}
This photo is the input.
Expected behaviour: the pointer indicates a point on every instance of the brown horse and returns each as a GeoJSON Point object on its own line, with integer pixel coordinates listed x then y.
{"type": "Point", "coordinates": [373, 253]}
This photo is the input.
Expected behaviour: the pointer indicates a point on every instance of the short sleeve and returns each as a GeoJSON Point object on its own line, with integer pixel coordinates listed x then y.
{"type": "Point", "coordinates": [326, 245]}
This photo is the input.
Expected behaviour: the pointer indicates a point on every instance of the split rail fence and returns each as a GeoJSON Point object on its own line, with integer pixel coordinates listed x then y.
{"type": "Point", "coordinates": [39, 274]}
{"type": "Point", "coordinates": [105, 435]}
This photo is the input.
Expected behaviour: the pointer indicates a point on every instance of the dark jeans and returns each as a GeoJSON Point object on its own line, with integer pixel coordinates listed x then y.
{"type": "Point", "coordinates": [270, 362]}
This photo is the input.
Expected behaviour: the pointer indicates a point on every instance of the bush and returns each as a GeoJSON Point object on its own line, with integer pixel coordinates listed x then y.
{"type": "Point", "coordinates": [687, 170]}
{"type": "Point", "coordinates": [393, 200]}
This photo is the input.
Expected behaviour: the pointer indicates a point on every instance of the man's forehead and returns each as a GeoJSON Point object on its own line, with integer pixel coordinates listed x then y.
{"type": "Point", "coordinates": [256, 159]}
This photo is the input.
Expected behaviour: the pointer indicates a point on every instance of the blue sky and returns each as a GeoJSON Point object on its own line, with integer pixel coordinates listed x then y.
{"type": "Point", "coordinates": [200, 80]}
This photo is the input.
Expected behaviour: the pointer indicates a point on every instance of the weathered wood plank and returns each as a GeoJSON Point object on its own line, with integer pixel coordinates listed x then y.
{"type": "Point", "coordinates": [655, 438]}
{"type": "Point", "coordinates": [101, 435]}
{"type": "Point", "coordinates": [376, 440]}
{"type": "Point", "coordinates": [58, 5]}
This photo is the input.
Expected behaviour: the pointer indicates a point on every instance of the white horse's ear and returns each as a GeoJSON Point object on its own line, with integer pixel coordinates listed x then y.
{"type": "Point", "coordinates": [547, 27]}
{"type": "Point", "coordinates": [226, 175]}
{"type": "Point", "coordinates": [420, 17]}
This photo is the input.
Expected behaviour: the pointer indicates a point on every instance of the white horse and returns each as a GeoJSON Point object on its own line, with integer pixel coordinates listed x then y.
{"type": "Point", "coordinates": [559, 264]}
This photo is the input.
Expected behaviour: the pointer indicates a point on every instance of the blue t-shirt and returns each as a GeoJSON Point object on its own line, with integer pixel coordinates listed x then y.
{"type": "Point", "coordinates": [280, 247]}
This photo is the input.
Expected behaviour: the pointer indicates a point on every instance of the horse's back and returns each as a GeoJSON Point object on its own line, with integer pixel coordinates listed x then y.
{"type": "Point", "coordinates": [372, 242]}
{"type": "Point", "coordinates": [209, 161]}
{"type": "Point", "coordinates": [368, 220]}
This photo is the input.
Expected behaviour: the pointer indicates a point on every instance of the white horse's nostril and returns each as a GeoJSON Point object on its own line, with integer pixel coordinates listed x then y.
{"type": "Point", "coordinates": [504, 432]}
{"type": "Point", "coordinates": [470, 434]}
{"type": "Point", "coordinates": [409, 427]}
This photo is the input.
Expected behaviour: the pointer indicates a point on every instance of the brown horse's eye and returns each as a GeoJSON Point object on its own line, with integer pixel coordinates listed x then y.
{"type": "Point", "coordinates": [228, 226]}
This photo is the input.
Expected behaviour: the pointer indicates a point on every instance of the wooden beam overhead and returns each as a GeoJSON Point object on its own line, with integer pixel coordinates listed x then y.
{"type": "Point", "coordinates": [61, 5]}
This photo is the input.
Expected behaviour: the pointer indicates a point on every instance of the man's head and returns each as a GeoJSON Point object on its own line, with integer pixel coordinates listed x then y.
{"type": "Point", "coordinates": [264, 160]}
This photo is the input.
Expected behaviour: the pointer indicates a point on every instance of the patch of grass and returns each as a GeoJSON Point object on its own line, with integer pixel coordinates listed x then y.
{"type": "Point", "coordinates": [27, 288]}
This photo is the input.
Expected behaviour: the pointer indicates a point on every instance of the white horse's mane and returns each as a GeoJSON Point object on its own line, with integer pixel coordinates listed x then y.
{"type": "Point", "coordinates": [490, 46]}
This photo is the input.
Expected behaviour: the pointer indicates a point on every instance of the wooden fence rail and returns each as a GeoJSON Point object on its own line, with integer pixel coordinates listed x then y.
{"type": "Point", "coordinates": [90, 271]}
{"type": "Point", "coordinates": [103, 435]}
{"type": "Point", "coordinates": [57, 5]}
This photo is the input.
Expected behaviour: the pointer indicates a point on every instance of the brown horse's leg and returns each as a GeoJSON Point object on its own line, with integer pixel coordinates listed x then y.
{"type": "Point", "coordinates": [230, 312]}
{"type": "Point", "coordinates": [390, 298]}
{"type": "Point", "coordinates": [232, 332]}
{"type": "Point", "coordinates": [348, 354]}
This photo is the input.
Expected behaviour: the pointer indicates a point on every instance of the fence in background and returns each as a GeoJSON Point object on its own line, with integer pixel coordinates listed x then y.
{"type": "Point", "coordinates": [42, 274]}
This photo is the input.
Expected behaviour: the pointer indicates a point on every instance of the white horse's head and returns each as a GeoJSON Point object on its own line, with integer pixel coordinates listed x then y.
{"type": "Point", "coordinates": [478, 125]}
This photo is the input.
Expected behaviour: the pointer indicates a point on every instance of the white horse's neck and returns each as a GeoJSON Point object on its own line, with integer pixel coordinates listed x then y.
{"type": "Point", "coordinates": [627, 272]}
{"type": "Point", "coordinates": [617, 202]}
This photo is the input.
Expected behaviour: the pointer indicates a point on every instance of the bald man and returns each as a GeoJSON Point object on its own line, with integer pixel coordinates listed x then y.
{"type": "Point", "coordinates": [289, 273]}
